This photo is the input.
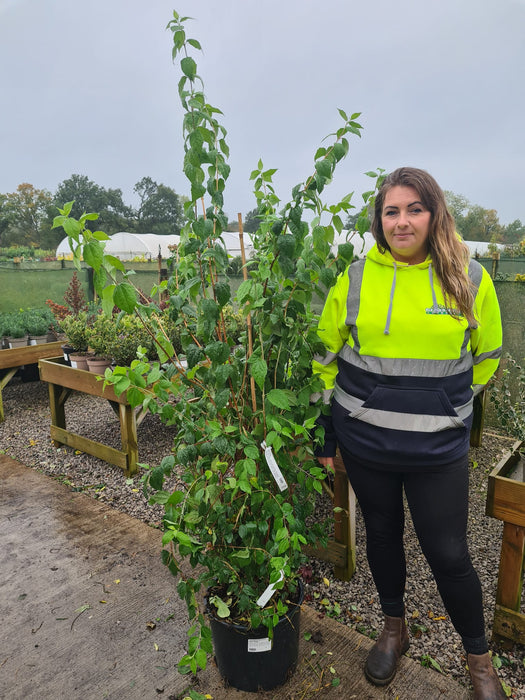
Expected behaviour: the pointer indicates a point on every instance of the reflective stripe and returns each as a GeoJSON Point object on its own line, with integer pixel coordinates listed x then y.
{"type": "Point", "coordinates": [326, 396]}
{"type": "Point", "coordinates": [492, 355]}
{"type": "Point", "coordinates": [401, 421]}
{"type": "Point", "coordinates": [475, 273]}
{"type": "Point", "coordinates": [400, 366]}
{"type": "Point", "coordinates": [327, 359]}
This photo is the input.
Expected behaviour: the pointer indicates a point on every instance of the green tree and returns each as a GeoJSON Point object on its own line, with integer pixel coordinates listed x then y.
{"type": "Point", "coordinates": [252, 221]}
{"type": "Point", "coordinates": [513, 232]}
{"type": "Point", "coordinates": [114, 215]}
{"type": "Point", "coordinates": [160, 209]}
{"type": "Point", "coordinates": [24, 216]}
{"type": "Point", "coordinates": [351, 222]}
{"type": "Point", "coordinates": [458, 206]}
{"type": "Point", "coordinates": [482, 225]}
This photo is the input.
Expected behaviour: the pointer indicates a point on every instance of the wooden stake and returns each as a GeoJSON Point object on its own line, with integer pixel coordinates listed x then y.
{"type": "Point", "coordinates": [248, 317]}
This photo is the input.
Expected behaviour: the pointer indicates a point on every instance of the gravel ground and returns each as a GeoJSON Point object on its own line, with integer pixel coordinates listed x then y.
{"type": "Point", "coordinates": [24, 435]}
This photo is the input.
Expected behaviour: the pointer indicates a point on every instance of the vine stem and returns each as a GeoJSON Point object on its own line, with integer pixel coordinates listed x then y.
{"type": "Point", "coordinates": [248, 316]}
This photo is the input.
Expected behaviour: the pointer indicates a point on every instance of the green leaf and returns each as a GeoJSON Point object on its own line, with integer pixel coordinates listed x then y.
{"type": "Point", "coordinates": [189, 67]}
{"type": "Point", "coordinates": [258, 370]}
{"type": "Point", "coordinates": [222, 609]}
{"type": "Point", "coordinates": [107, 299]}
{"type": "Point", "coordinates": [125, 297]}
{"type": "Point", "coordinates": [281, 398]}
{"type": "Point", "coordinates": [115, 262]}
{"type": "Point", "coordinates": [94, 254]}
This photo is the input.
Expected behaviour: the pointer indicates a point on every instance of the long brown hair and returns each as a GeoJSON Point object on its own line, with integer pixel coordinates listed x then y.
{"type": "Point", "coordinates": [450, 256]}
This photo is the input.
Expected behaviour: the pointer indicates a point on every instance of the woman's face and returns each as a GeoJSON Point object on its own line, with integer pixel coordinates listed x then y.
{"type": "Point", "coordinates": [405, 223]}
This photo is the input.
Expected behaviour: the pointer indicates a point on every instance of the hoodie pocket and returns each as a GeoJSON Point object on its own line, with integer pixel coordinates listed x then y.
{"type": "Point", "coordinates": [412, 409]}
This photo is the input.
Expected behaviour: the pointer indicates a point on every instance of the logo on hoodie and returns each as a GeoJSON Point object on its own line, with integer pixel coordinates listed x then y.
{"type": "Point", "coordinates": [440, 310]}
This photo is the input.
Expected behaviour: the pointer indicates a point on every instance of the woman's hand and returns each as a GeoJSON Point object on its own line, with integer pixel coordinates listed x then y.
{"type": "Point", "coordinates": [327, 462]}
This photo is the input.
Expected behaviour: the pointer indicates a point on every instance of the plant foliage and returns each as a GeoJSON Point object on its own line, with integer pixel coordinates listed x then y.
{"type": "Point", "coordinates": [239, 394]}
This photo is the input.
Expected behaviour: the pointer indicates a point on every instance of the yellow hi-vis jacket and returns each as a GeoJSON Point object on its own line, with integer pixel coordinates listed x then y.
{"type": "Point", "coordinates": [400, 369]}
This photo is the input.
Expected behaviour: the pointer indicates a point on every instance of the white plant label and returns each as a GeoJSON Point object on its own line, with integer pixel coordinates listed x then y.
{"type": "Point", "coordinates": [274, 467]}
{"type": "Point", "coordinates": [268, 592]}
{"type": "Point", "coordinates": [257, 645]}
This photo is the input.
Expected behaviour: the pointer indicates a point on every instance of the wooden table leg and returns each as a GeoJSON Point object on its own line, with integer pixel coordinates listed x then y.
{"type": "Point", "coordinates": [128, 432]}
{"type": "Point", "coordinates": [509, 623]}
{"type": "Point", "coordinates": [5, 379]}
{"type": "Point", "coordinates": [57, 399]}
{"type": "Point", "coordinates": [344, 519]}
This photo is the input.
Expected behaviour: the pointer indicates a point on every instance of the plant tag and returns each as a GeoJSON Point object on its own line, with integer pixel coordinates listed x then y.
{"type": "Point", "coordinates": [257, 645]}
{"type": "Point", "coordinates": [274, 467]}
{"type": "Point", "coordinates": [268, 593]}
{"type": "Point", "coordinates": [73, 364]}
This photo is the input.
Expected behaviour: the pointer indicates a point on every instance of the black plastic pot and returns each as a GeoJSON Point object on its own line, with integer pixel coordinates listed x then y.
{"type": "Point", "coordinates": [67, 349]}
{"type": "Point", "coordinates": [247, 660]}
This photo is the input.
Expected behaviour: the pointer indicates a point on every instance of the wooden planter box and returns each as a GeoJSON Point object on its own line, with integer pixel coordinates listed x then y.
{"type": "Point", "coordinates": [506, 501]}
{"type": "Point", "coordinates": [62, 380]}
{"type": "Point", "coordinates": [14, 358]}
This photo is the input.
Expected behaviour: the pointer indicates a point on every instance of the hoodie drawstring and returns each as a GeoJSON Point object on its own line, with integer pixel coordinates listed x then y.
{"type": "Point", "coordinates": [434, 298]}
{"type": "Point", "coordinates": [389, 314]}
{"type": "Point", "coordinates": [393, 289]}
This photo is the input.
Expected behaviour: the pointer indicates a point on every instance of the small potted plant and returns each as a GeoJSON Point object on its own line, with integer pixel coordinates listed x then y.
{"type": "Point", "coordinates": [38, 322]}
{"type": "Point", "coordinates": [101, 337]}
{"type": "Point", "coordinates": [130, 335]}
{"type": "Point", "coordinates": [15, 330]}
{"type": "Point", "coordinates": [76, 329]}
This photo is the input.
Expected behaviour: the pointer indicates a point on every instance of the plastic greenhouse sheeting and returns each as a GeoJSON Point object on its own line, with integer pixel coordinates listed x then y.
{"type": "Point", "coordinates": [128, 246]}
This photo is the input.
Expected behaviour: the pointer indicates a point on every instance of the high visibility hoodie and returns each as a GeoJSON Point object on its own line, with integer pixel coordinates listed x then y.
{"type": "Point", "coordinates": [400, 369]}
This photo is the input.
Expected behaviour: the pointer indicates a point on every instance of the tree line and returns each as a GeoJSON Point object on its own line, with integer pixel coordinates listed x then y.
{"type": "Point", "coordinates": [26, 215]}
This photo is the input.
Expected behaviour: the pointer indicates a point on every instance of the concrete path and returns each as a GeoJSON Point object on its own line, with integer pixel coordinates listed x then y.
{"type": "Point", "coordinates": [88, 611]}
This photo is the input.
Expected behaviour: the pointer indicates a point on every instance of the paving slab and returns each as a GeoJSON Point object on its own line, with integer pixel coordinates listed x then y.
{"type": "Point", "coordinates": [89, 611]}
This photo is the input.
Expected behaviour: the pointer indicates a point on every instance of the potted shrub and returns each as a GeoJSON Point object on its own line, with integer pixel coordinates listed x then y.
{"type": "Point", "coordinates": [76, 329]}
{"type": "Point", "coordinates": [130, 335]}
{"type": "Point", "coordinates": [101, 337]}
{"type": "Point", "coordinates": [246, 479]}
{"type": "Point", "coordinates": [15, 330]}
{"type": "Point", "coordinates": [38, 322]}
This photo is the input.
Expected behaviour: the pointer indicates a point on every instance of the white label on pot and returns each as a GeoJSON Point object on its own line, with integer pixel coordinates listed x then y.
{"type": "Point", "coordinates": [65, 357]}
{"type": "Point", "coordinates": [73, 364]}
{"type": "Point", "coordinates": [274, 467]}
{"type": "Point", "coordinates": [32, 342]}
{"type": "Point", "coordinates": [268, 593]}
{"type": "Point", "coordinates": [256, 645]}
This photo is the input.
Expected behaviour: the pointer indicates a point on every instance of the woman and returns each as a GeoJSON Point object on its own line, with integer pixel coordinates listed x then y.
{"type": "Point", "coordinates": [411, 334]}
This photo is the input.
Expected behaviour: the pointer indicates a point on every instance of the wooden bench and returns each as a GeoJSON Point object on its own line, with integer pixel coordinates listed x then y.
{"type": "Point", "coordinates": [506, 501]}
{"type": "Point", "coordinates": [14, 358]}
{"type": "Point", "coordinates": [62, 381]}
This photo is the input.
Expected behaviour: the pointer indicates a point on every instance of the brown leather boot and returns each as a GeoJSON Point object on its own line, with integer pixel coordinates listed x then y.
{"type": "Point", "coordinates": [487, 685]}
{"type": "Point", "coordinates": [381, 663]}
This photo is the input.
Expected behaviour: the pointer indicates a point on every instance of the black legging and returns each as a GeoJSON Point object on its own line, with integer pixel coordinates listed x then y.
{"type": "Point", "coordinates": [438, 502]}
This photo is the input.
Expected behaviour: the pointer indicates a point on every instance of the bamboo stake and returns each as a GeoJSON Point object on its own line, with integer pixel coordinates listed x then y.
{"type": "Point", "coordinates": [248, 317]}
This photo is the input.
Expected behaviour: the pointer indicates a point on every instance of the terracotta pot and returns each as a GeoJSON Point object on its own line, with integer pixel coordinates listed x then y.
{"type": "Point", "coordinates": [98, 364]}
{"type": "Point", "coordinates": [78, 360]}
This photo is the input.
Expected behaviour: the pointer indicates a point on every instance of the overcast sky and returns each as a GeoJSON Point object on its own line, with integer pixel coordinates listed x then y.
{"type": "Point", "coordinates": [90, 88]}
